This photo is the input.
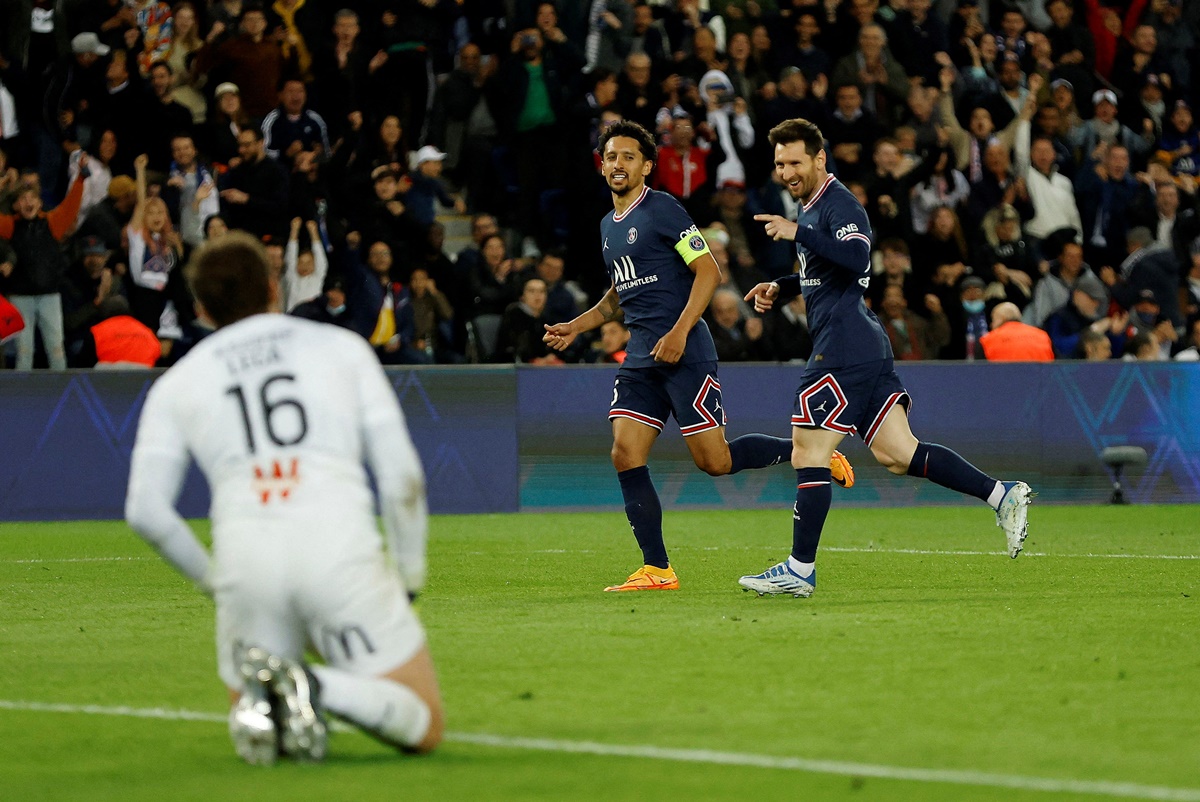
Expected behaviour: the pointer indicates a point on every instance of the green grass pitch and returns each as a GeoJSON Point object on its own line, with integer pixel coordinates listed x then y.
{"type": "Point", "coordinates": [928, 666]}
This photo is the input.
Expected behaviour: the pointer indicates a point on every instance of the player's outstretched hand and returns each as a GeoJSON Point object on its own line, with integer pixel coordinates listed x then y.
{"type": "Point", "coordinates": [558, 336]}
{"type": "Point", "coordinates": [777, 227]}
{"type": "Point", "coordinates": [763, 295]}
{"type": "Point", "coordinates": [670, 347]}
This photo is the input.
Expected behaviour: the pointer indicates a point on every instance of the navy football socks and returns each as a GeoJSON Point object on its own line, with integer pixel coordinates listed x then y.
{"type": "Point", "coordinates": [943, 466]}
{"type": "Point", "coordinates": [759, 451]}
{"type": "Point", "coordinates": [814, 494]}
{"type": "Point", "coordinates": [645, 514]}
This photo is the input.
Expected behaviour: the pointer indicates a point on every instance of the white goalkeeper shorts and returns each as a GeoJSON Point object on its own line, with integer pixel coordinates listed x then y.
{"type": "Point", "coordinates": [351, 609]}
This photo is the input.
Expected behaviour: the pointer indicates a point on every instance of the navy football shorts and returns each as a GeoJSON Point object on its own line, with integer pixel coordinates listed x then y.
{"type": "Point", "coordinates": [690, 392]}
{"type": "Point", "coordinates": [854, 399]}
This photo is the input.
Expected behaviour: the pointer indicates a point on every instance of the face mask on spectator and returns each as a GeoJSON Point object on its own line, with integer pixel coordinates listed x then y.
{"type": "Point", "coordinates": [973, 307]}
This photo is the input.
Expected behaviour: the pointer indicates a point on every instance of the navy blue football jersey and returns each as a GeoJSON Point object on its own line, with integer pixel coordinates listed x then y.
{"type": "Point", "coordinates": [833, 245]}
{"type": "Point", "coordinates": [647, 251]}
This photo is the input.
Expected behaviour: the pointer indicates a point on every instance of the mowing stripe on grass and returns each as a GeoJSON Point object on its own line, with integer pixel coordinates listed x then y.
{"type": "Point", "coordinates": [838, 767]}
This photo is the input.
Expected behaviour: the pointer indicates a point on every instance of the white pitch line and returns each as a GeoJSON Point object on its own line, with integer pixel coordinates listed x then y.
{"type": "Point", "coordinates": [77, 560]}
{"type": "Point", "coordinates": [839, 767]}
{"type": "Point", "coordinates": [863, 550]}
{"type": "Point", "coordinates": [932, 552]}
{"type": "Point", "coordinates": [708, 756]}
{"type": "Point", "coordinates": [98, 710]}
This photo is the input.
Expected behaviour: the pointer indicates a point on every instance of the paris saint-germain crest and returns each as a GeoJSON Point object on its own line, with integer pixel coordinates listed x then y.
{"type": "Point", "coordinates": [632, 238]}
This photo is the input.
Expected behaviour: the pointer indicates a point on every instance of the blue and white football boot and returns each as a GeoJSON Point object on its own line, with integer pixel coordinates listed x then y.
{"type": "Point", "coordinates": [780, 579]}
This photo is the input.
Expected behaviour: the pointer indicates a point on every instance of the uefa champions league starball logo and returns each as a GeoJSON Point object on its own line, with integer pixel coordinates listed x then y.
{"type": "Point", "coordinates": [632, 238]}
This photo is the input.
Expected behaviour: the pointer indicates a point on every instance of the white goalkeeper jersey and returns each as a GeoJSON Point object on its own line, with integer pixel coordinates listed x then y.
{"type": "Point", "coordinates": [280, 414]}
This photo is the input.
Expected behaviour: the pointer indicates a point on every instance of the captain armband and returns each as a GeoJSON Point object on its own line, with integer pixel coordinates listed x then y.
{"type": "Point", "coordinates": [691, 245]}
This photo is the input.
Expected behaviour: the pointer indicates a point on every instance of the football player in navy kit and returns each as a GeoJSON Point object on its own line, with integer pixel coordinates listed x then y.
{"type": "Point", "coordinates": [663, 277]}
{"type": "Point", "coordinates": [849, 385]}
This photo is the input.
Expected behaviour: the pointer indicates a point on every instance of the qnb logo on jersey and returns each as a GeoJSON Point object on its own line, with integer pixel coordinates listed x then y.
{"type": "Point", "coordinates": [276, 479]}
{"type": "Point", "coordinates": [695, 240]}
{"type": "Point", "coordinates": [850, 232]}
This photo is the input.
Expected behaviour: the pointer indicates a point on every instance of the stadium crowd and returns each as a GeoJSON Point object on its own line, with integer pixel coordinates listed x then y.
{"type": "Point", "coordinates": [1030, 168]}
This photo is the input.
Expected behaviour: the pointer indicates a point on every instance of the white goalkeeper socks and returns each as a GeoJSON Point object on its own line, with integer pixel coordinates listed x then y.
{"type": "Point", "coordinates": [386, 709]}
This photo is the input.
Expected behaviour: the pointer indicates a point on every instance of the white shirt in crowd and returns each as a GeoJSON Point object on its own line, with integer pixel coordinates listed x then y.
{"type": "Point", "coordinates": [297, 288]}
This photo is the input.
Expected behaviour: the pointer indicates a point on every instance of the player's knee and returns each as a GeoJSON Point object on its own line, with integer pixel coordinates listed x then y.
{"type": "Point", "coordinates": [623, 459]}
{"type": "Point", "coordinates": [714, 464]}
{"type": "Point", "coordinates": [894, 463]}
{"type": "Point", "coordinates": [809, 458]}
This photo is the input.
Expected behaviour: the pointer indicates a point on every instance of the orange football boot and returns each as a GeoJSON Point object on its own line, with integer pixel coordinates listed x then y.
{"type": "Point", "coordinates": [842, 470]}
{"type": "Point", "coordinates": [648, 577]}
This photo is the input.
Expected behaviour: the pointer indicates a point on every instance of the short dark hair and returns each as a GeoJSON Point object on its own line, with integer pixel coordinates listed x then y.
{"type": "Point", "coordinates": [895, 245]}
{"type": "Point", "coordinates": [798, 130]}
{"type": "Point", "coordinates": [259, 136]}
{"type": "Point", "coordinates": [598, 75]}
{"type": "Point", "coordinates": [164, 65]}
{"type": "Point", "coordinates": [230, 278]}
{"type": "Point", "coordinates": [636, 132]}
{"type": "Point", "coordinates": [212, 217]}
{"type": "Point", "coordinates": [113, 306]}
{"type": "Point", "coordinates": [1139, 341]}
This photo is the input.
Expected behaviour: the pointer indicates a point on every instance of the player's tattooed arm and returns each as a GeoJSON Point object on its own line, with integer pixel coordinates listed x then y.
{"type": "Point", "coordinates": [609, 307]}
{"type": "Point", "coordinates": [559, 336]}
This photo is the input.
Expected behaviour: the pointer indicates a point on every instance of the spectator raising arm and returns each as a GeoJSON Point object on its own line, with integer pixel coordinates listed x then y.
{"type": "Point", "coordinates": [304, 274]}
